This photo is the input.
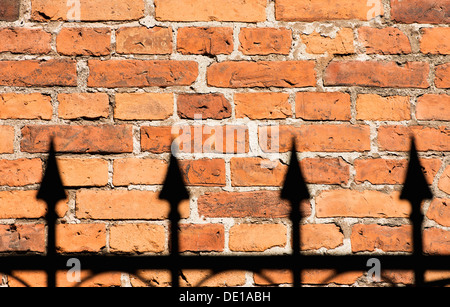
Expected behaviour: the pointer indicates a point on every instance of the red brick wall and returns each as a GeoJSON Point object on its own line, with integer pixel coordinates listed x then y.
{"type": "Point", "coordinates": [351, 80]}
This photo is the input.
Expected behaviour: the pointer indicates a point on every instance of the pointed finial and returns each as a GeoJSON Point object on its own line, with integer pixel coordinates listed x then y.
{"type": "Point", "coordinates": [52, 189]}
{"type": "Point", "coordinates": [174, 189]}
{"type": "Point", "coordinates": [294, 187]}
{"type": "Point", "coordinates": [415, 187]}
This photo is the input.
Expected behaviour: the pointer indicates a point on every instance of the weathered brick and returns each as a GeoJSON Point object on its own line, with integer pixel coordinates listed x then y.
{"type": "Point", "coordinates": [75, 238]}
{"type": "Point", "coordinates": [265, 41]}
{"type": "Point", "coordinates": [140, 73]}
{"type": "Point", "coordinates": [80, 139]}
{"type": "Point", "coordinates": [89, 280]}
{"type": "Point", "coordinates": [257, 237]}
{"type": "Point", "coordinates": [21, 204]}
{"type": "Point", "coordinates": [375, 73]}
{"type": "Point", "coordinates": [262, 105]}
{"type": "Point", "coordinates": [420, 11]}
{"type": "Point", "coordinates": [138, 171]}
{"type": "Point", "coordinates": [375, 107]}
{"type": "Point", "coordinates": [205, 41]}
{"type": "Point", "coordinates": [9, 10]}
{"type": "Point", "coordinates": [123, 205]}
{"type": "Point", "coordinates": [316, 10]}
{"type": "Point", "coordinates": [83, 172]}
{"type": "Point", "coordinates": [444, 181]}
{"type": "Point", "coordinates": [442, 79]}
{"type": "Point", "coordinates": [312, 138]}
{"type": "Point", "coordinates": [214, 106]}
{"type": "Point", "coordinates": [398, 138]}
{"type": "Point", "coordinates": [103, 10]}
{"type": "Point", "coordinates": [31, 278]}
{"type": "Point", "coordinates": [156, 139]}
{"type": "Point", "coordinates": [308, 276]}
{"type": "Point", "coordinates": [203, 172]}
{"type": "Point", "coordinates": [384, 41]}
{"type": "Point", "coordinates": [439, 211]}
{"type": "Point", "coordinates": [84, 41]}
{"type": "Point", "coordinates": [436, 241]}
{"type": "Point", "coordinates": [391, 171]}
{"type": "Point", "coordinates": [20, 172]}
{"type": "Point", "coordinates": [206, 10]}
{"type": "Point", "coordinates": [432, 42]}
{"type": "Point", "coordinates": [252, 172]}
{"type": "Point", "coordinates": [323, 106]}
{"type": "Point", "coordinates": [143, 106]}
{"type": "Point", "coordinates": [325, 170]}
{"type": "Point", "coordinates": [25, 106]}
{"type": "Point", "coordinates": [433, 107]}
{"type": "Point", "coordinates": [257, 204]}
{"type": "Point", "coordinates": [25, 40]}
{"type": "Point", "coordinates": [202, 237]}
{"type": "Point", "coordinates": [388, 239]}
{"type": "Point", "coordinates": [342, 43]}
{"type": "Point", "coordinates": [83, 105]}
{"type": "Point", "coordinates": [22, 238]}
{"type": "Point", "coordinates": [38, 73]}
{"type": "Point", "coordinates": [6, 139]}
{"type": "Point", "coordinates": [141, 40]}
{"type": "Point", "coordinates": [236, 74]}
{"type": "Point", "coordinates": [349, 203]}
{"type": "Point", "coordinates": [137, 238]}
{"type": "Point", "coordinates": [315, 236]}
{"type": "Point", "coordinates": [209, 278]}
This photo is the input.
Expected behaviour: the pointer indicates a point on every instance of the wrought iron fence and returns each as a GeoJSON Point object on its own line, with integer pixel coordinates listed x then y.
{"type": "Point", "coordinates": [415, 190]}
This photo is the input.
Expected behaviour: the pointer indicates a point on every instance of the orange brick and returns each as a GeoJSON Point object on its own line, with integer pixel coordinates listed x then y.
{"type": "Point", "coordinates": [83, 172]}
{"type": "Point", "coordinates": [315, 236]}
{"type": "Point", "coordinates": [204, 172]}
{"type": "Point", "coordinates": [21, 204]}
{"type": "Point", "coordinates": [251, 172]}
{"type": "Point", "coordinates": [202, 238]}
{"type": "Point", "coordinates": [349, 203]}
{"type": "Point", "coordinates": [236, 74]}
{"type": "Point", "coordinates": [433, 107]}
{"type": "Point", "coordinates": [432, 42]}
{"type": "Point", "coordinates": [312, 138]}
{"type": "Point", "coordinates": [209, 278]}
{"type": "Point", "coordinates": [317, 43]}
{"type": "Point", "coordinates": [83, 105]}
{"type": "Point", "coordinates": [30, 278]}
{"type": "Point", "coordinates": [84, 41]}
{"type": "Point", "coordinates": [38, 73]}
{"type": "Point", "coordinates": [444, 181]}
{"type": "Point", "coordinates": [138, 171]}
{"type": "Point", "coordinates": [143, 106]}
{"type": "Point", "coordinates": [141, 238]}
{"type": "Point", "coordinates": [20, 172]}
{"type": "Point", "coordinates": [206, 10]}
{"type": "Point", "coordinates": [257, 237]}
{"type": "Point", "coordinates": [214, 106]}
{"type": "Point", "coordinates": [10, 10]}
{"type": "Point", "coordinates": [141, 40]}
{"type": "Point", "coordinates": [6, 139]}
{"type": "Point", "coordinates": [25, 106]}
{"type": "Point", "coordinates": [442, 79]}
{"type": "Point", "coordinates": [439, 211]}
{"type": "Point", "coordinates": [384, 41]}
{"type": "Point", "coordinates": [81, 139]}
{"type": "Point", "coordinates": [398, 138]}
{"type": "Point", "coordinates": [375, 107]}
{"type": "Point", "coordinates": [262, 105]}
{"type": "Point", "coordinates": [265, 41]}
{"type": "Point", "coordinates": [75, 238]}
{"type": "Point", "coordinates": [123, 205]}
{"type": "Point", "coordinates": [436, 241]}
{"type": "Point", "coordinates": [376, 73]}
{"type": "Point", "coordinates": [205, 41]}
{"type": "Point", "coordinates": [323, 106]}
{"type": "Point", "coordinates": [103, 10]}
{"type": "Point", "coordinates": [22, 238]}
{"type": "Point", "coordinates": [329, 276]}
{"type": "Point", "coordinates": [386, 238]}
{"type": "Point", "coordinates": [25, 40]}
{"type": "Point", "coordinates": [316, 10]}
{"type": "Point", "coordinates": [420, 11]}
{"type": "Point", "coordinates": [134, 73]}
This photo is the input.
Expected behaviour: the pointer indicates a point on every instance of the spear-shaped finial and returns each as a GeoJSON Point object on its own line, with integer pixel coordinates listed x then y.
{"type": "Point", "coordinates": [415, 190]}
{"type": "Point", "coordinates": [295, 190]}
{"type": "Point", "coordinates": [174, 191]}
{"type": "Point", "coordinates": [51, 191]}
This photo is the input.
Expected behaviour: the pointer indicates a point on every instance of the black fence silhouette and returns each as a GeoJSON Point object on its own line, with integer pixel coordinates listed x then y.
{"type": "Point", "coordinates": [415, 190]}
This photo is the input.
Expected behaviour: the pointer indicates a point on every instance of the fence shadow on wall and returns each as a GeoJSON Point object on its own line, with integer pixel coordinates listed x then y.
{"type": "Point", "coordinates": [415, 190]}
